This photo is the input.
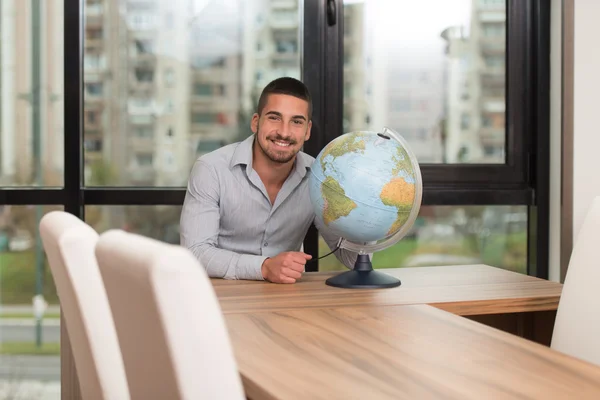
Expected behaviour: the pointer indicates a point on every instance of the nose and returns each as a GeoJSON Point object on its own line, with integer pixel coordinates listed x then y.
{"type": "Point", "coordinates": [285, 132]}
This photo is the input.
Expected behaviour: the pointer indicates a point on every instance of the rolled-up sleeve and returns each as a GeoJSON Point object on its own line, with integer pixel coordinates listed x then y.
{"type": "Point", "coordinates": [199, 229]}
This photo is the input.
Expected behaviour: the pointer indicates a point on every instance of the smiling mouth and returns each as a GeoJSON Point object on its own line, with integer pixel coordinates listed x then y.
{"type": "Point", "coordinates": [280, 143]}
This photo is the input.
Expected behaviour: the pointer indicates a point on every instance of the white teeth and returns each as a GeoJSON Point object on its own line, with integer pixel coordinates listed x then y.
{"type": "Point", "coordinates": [282, 144]}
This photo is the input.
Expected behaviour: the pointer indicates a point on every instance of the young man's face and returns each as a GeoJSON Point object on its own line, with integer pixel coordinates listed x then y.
{"type": "Point", "coordinates": [282, 128]}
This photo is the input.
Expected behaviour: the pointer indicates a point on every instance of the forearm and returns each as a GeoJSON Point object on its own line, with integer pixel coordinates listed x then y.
{"type": "Point", "coordinates": [227, 264]}
{"type": "Point", "coordinates": [347, 257]}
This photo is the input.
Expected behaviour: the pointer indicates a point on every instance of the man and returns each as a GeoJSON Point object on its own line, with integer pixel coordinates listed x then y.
{"type": "Point", "coordinates": [247, 207]}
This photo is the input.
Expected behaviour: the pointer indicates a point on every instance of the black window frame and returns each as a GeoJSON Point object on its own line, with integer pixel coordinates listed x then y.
{"type": "Point", "coordinates": [523, 180]}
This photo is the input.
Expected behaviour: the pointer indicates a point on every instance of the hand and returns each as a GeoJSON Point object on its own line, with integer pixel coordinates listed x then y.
{"type": "Point", "coordinates": [285, 267]}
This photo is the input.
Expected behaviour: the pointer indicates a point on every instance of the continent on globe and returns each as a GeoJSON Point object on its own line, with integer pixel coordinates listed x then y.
{"type": "Point", "coordinates": [337, 204]}
{"type": "Point", "coordinates": [402, 161]}
{"type": "Point", "coordinates": [364, 187]}
{"type": "Point", "coordinates": [346, 144]}
{"type": "Point", "coordinates": [399, 194]}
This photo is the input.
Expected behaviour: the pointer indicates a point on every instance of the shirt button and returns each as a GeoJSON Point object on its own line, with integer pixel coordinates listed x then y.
{"type": "Point", "coordinates": [266, 244]}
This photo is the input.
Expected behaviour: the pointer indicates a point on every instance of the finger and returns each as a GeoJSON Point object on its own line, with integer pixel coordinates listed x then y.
{"type": "Point", "coordinates": [286, 279]}
{"type": "Point", "coordinates": [297, 266]}
{"type": "Point", "coordinates": [292, 273]}
{"type": "Point", "coordinates": [301, 257]}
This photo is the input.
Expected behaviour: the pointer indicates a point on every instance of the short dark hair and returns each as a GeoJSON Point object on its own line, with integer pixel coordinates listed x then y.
{"type": "Point", "coordinates": [288, 86]}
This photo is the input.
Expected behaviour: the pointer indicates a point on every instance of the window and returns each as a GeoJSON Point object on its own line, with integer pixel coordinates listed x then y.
{"type": "Point", "coordinates": [32, 180]}
{"type": "Point", "coordinates": [169, 77]}
{"type": "Point", "coordinates": [94, 89]}
{"type": "Point", "coordinates": [169, 20]}
{"type": "Point", "coordinates": [144, 159]}
{"type": "Point", "coordinates": [286, 46]}
{"type": "Point", "coordinates": [202, 89]}
{"type": "Point", "coordinates": [435, 93]}
{"type": "Point", "coordinates": [94, 33]}
{"type": "Point", "coordinates": [204, 118]}
{"type": "Point", "coordinates": [450, 235]}
{"type": "Point", "coordinates": [144, 131]}
{"type": "Point", "coordinates": [144, 75]}
{"type": "Point", "coordinates": [464, 121]}
{"type": "Point", "coordinates": [93, 145]}
{"type": "Point", "coordinates": [144, 46]}
{"type": "Point", "coordinates": [478, 183]}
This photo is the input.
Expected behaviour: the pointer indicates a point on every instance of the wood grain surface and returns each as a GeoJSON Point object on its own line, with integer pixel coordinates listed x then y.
{"type": "Point", "coordinates": [462, 290]}
{"type": "Point", "coordinates": [397, 352]}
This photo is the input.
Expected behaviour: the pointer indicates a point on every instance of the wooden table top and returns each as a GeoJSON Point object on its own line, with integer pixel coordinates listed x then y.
{"type": "Point", "coordinates": [396, 352]}
{"type": "Point", "coordinates": [462, 290]}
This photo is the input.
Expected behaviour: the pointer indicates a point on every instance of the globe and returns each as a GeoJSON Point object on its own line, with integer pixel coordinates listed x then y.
{"type": "Point", "coordinates": [366, 188]}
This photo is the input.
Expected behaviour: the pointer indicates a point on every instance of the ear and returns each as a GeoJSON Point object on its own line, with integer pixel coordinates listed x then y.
{"type": "Point", "coordinates": [254, 123]}
{"type": "Point", "coordinates": [307, 134]}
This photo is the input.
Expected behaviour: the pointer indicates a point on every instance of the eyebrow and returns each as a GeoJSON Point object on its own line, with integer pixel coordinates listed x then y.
{"type": "Point", "coordinates": [277, 113]}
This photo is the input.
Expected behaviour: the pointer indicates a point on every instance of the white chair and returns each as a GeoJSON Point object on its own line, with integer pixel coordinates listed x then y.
{"type": "Point", "coordinates": [577, 327]}
{"type": "Point", "coordinates": [69, 244]}
{"type": "Point", "coordinates": [173, 337]}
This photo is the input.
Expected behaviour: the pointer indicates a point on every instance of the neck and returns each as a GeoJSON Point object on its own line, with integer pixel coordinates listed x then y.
{"type": "Point", "coordinates": [269, 171]}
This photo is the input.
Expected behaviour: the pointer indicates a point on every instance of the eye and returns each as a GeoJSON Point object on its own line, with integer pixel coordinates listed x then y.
{"type": "Point", "coordinates": [273, 117]}
{"type": "Point", "coordinates": [298, 121]}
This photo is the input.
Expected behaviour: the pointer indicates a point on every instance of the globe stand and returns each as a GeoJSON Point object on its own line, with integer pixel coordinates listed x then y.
{"type": "Point", "coordinates": [363, 277]}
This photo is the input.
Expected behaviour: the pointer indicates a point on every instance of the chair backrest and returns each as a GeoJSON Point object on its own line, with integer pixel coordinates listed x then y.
{"type": "Point", "coordinates": [70, 244]}
{"type": "Point", "coordinates": [577, 327]}
{"type": "Point", "coordinates": [173, 337]}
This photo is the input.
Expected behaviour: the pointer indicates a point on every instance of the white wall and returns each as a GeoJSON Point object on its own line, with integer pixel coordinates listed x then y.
{"type": "Point", "coordinates": [555, 137]}
{"type": "Point", "coordinates": [586, 118]}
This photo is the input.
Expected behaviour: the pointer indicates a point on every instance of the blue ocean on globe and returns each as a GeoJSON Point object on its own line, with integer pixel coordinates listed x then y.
{"type": "Point", "coordinates": [362, 187]}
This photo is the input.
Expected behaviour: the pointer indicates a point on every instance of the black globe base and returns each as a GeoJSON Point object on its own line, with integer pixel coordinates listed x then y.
{"type": "Point", "coordinates": [363, 277]}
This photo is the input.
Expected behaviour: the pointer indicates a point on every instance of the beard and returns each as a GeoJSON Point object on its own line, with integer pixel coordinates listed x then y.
{"type": "Point", "coordinates": [277, 156]}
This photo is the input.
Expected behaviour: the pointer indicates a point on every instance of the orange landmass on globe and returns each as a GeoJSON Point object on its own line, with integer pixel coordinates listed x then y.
{"type": "Point", "coordinates": [336, 203]}
{"type": "Point", "coordinates": [400, 194]}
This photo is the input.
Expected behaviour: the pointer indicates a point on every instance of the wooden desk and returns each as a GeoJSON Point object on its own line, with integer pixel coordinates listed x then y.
{"type": "Point", "coordinates": [396, 352]}
{"type": "Point", "coordinates": [462, 290]}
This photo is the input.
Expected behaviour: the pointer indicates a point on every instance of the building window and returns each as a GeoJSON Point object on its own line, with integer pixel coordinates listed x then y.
{"type": "Point", "coordinates": [144, 132]}
{"type": "Point", "coordinates": [92, 145]}
{"type": "Point", "coordinates": [494, 30]}
{"type": "Point", "coordinates": [400, 104]}
{"type": "Point", "coordinates": [91, 116]}
{"type": "Point", "coordinates": [169, 21]}
{"type": "Point", "coordinates": [94, 88]}
{"type": "Point", "coordinates": [144, 159]}
{"type": "Point", "coordinates": [169, 77]}
{"type": "Point", "coordinates": [465, 121]}
{"type": "Point", "coordinates": [202, 89]}
{"type": "Point", "coordinates": [204, 118]}
{"type": "Point", "coordinates": [144, 75]}
{"type": "Point", "coordinates": [286, 46]}
{"type": "Point", "coordinates": [144, 46]}
{"type": "Point", "coordinates": [94, 33]}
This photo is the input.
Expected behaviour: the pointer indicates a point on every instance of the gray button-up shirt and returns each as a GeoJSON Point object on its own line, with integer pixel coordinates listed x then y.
{"type": "Point", "coordinates": [229, 223]}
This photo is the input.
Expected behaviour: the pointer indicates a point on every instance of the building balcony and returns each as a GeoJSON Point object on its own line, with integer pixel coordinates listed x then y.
{"type": "Point", "coordinates": [489, 81]}
{"type": "Point", "coordinates": [142, 59]}
{"type": "Point", "coordinates": [284, 4]}
{"type": "Point", "coordinates": [278, 21]}
{"type": "Point", "coordinates": [137, 119]}
{"type": "Point", "coordinates": [213, 103]}
{"type": "Point", "coordinates": [212, 74]}
{"type": "Point", "coordinates": [94, 20]}
{"type": "Point", "coordinates": [492, 13]}
{"type": "Point", "coordinates": [492, 136]}
{"type": "Point", "coordinates": [141, 87]}
{"type": "Point", "coordinates": [92, 98]}
{"type": "Point", "coordinates": [142, 175]}
{"type": "Point", "coordinates": [492, 45]}
{"type": "Point", "coordinates": [94, 44]}
{"type": "Point", "coordinates": [142, 144]}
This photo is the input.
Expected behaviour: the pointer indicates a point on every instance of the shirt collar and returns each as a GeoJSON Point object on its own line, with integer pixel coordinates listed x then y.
{"type": "Point", "coordinates": [243, 156]}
